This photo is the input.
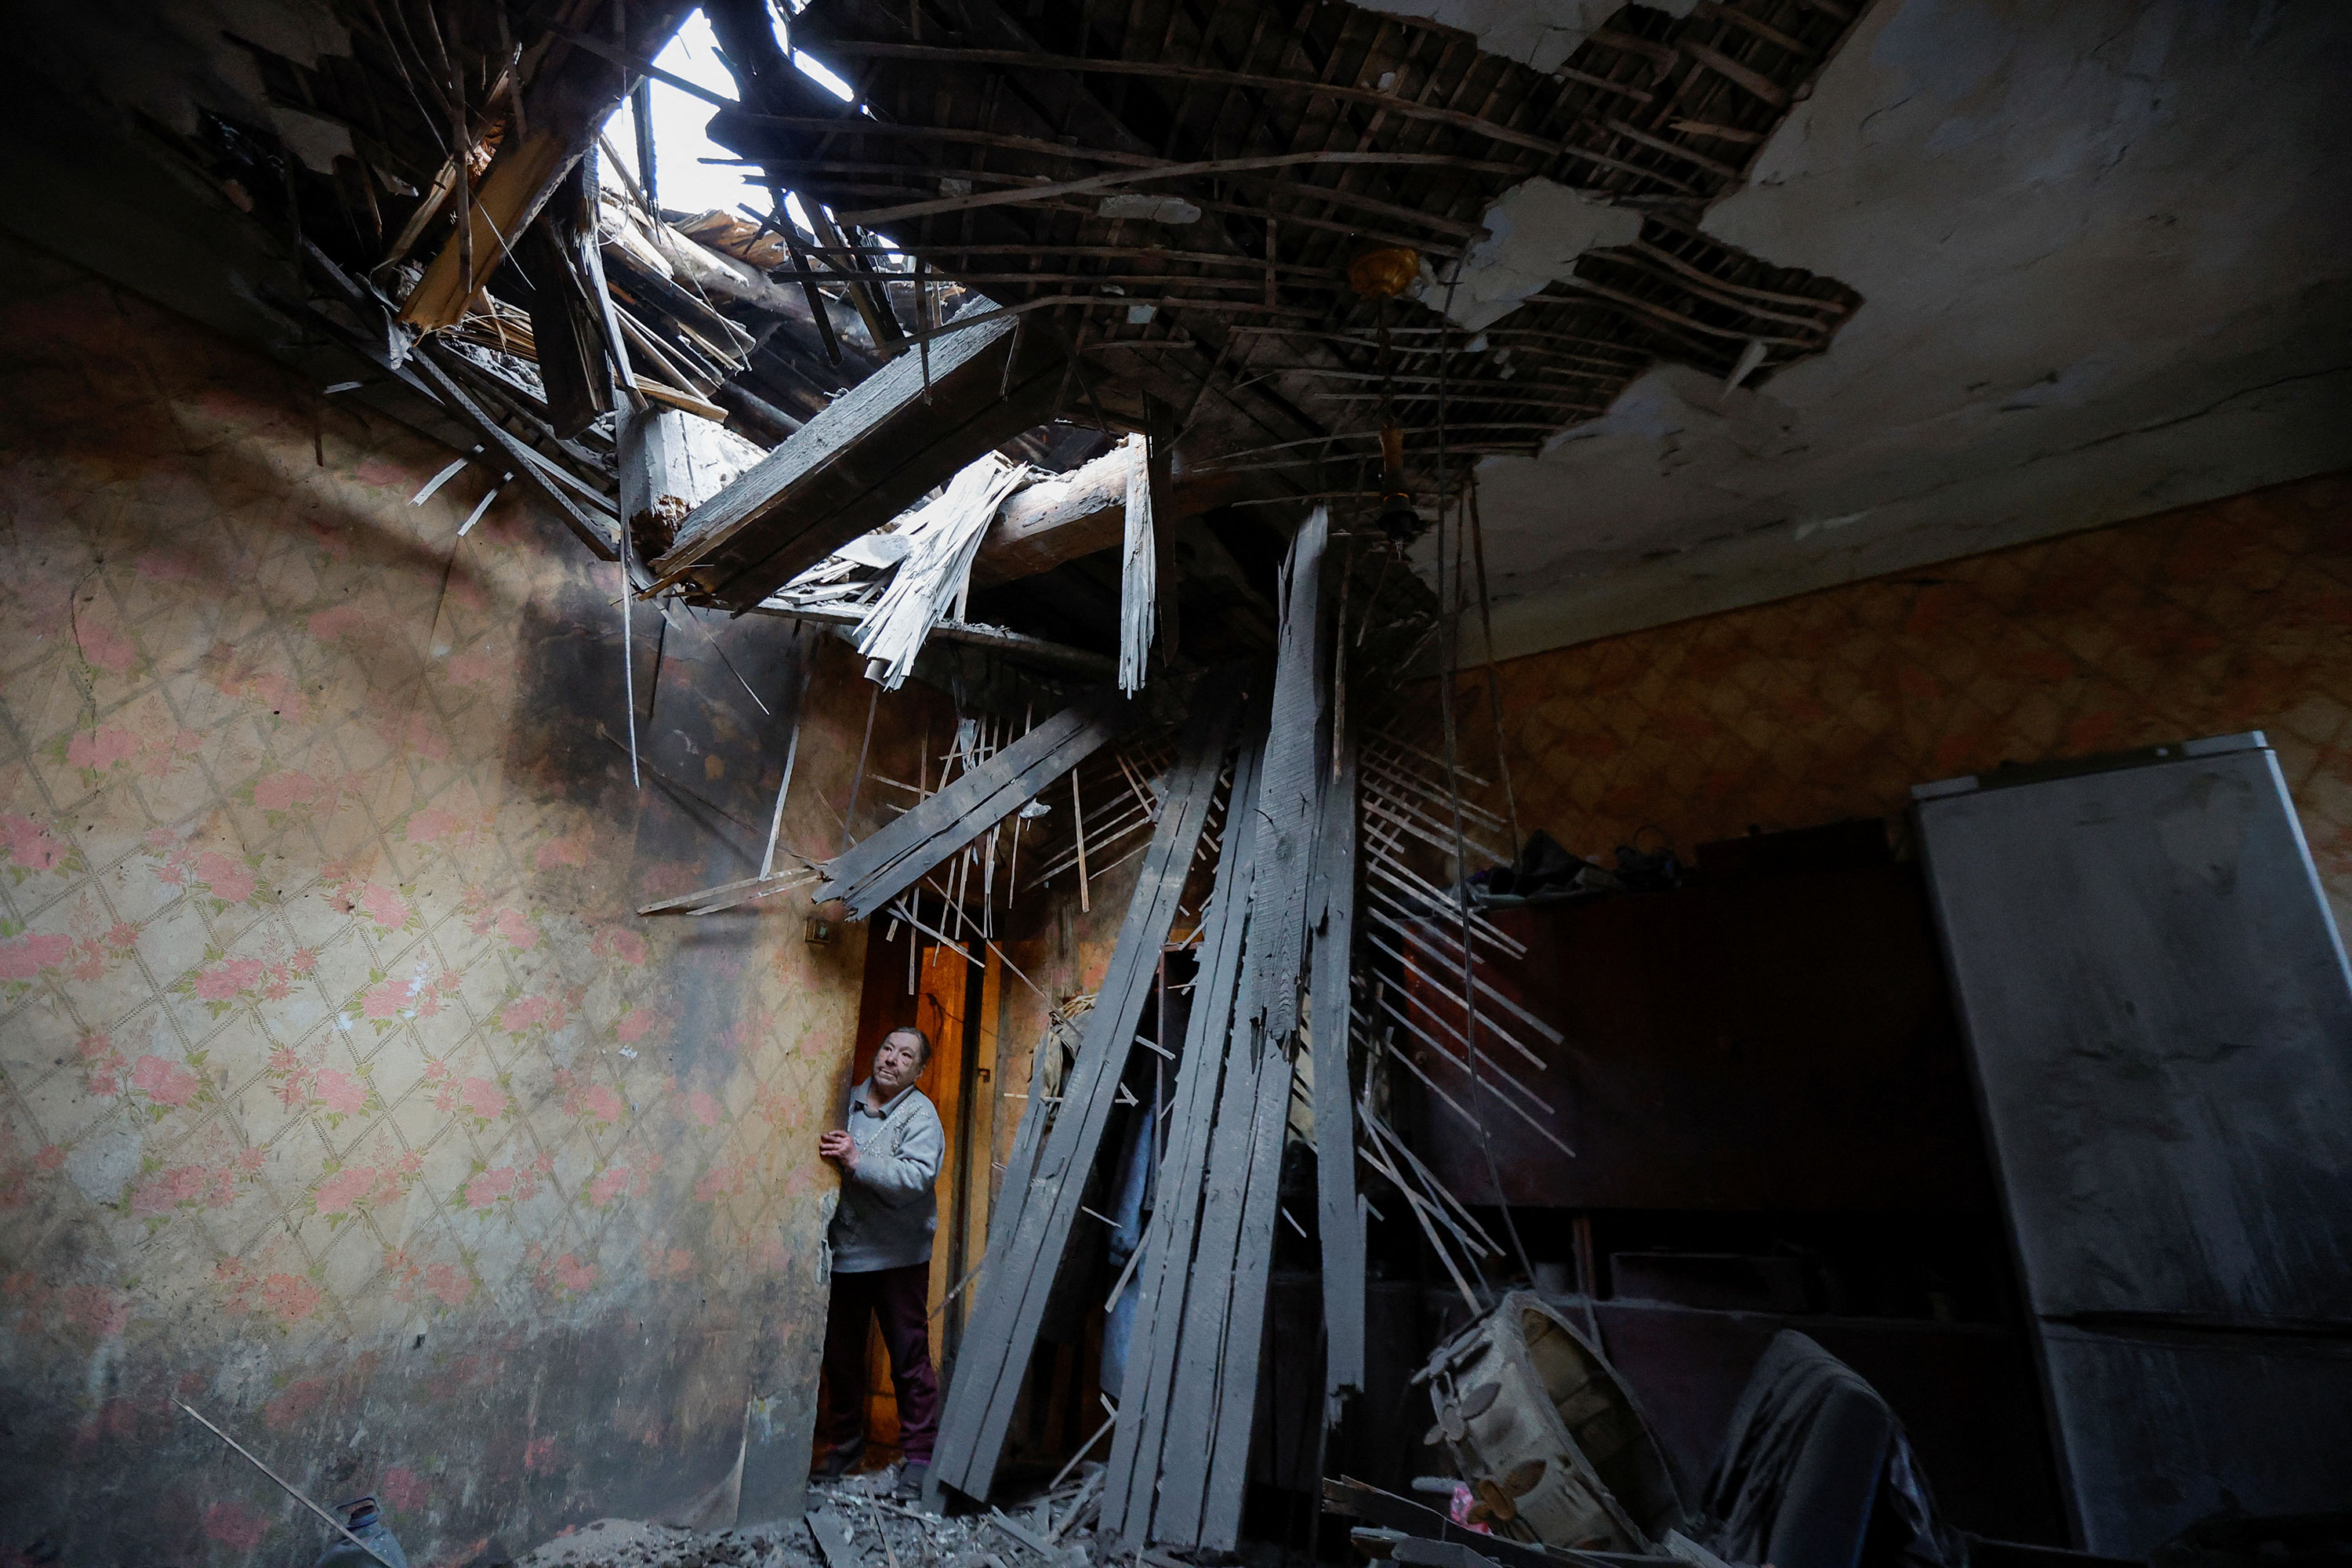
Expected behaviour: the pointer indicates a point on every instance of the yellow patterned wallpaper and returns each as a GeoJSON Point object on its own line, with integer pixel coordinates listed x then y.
{"type": "Point", "coordinates": [341, 1093]}
{"type": "Point", "coordinates": [2236, 615]}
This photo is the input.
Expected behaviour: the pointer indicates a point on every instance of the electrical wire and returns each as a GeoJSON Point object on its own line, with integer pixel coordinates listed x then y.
{"type": "Point", "coordinates": [1450, 616]}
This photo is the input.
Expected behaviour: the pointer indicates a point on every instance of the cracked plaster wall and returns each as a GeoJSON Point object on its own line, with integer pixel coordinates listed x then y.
{"type": "Point", "coordinates": [2105, 254]}
{"type": "Point", "coordinates": [341, 1093]}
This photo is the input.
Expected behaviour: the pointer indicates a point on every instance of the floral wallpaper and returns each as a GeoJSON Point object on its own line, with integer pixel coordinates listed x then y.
{"type": "Point", "coordinates": [2231, 615]}
{"type": "Point", "coordinates": [342, 1094]}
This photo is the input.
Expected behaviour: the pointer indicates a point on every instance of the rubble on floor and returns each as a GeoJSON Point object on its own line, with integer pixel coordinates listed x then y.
{"type": "Point", "coordinates": [637, 1543]}
{"type": "Point", "coordinates": [882, 1529]}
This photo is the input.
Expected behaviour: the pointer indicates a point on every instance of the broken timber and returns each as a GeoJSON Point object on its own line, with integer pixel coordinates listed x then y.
{"type": "Point", "coordinates": [1012, 645]}
{"type": "Point", "coordinates": [1178, 1470]}
{"type": "Point", "coordinates": [1332, 908]}
{"type": "Point", "coordinates": [573, 93]}
{"type": "Point", "coordinates": [1080, 513]}
{"type": "Point", "coordinates": [1032, 1227]}
{"type": "Point", "coordinates": [1168, 1245]}
{"type": "Point", "coordinates": [869, 456]}
{"type": "Point", "coordinates": [884, 864]}
{"type": "Point", "coordinates": [1217, 1371]}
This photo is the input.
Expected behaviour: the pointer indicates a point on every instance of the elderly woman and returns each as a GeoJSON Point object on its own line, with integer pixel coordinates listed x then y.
{"type": "Point", "coordinates": [890, 1156]}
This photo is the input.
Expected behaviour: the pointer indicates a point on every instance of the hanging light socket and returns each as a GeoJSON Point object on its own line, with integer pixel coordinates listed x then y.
{"type": "Point", "coordinates": [1385, 273]}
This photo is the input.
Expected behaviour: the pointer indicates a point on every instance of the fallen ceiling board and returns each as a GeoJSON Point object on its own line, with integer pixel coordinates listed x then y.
{"type": "Point", "coordinates": [1132, 1483]}
{"type": "Point", "coordinates": [1025, 1253]}
{"type": "Point", "coordinates": [1331, 905]}
{"type": "Point", "coordinates": [1081, 513]}
{"type": "Point", "coordinates": [1202, 1483]}
{"type": "Point", "coordinates": [881, 866]}
{"type": "Point", "coordinates": [869, 456]}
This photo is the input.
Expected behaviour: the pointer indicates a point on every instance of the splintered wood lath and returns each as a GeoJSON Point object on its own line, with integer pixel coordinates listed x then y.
{"type": "Point", "coordinates": [1028, 151]}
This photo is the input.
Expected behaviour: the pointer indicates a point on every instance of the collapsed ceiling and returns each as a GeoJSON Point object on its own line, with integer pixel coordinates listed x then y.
{"type": "Point", "coordinates": [1710, 302]}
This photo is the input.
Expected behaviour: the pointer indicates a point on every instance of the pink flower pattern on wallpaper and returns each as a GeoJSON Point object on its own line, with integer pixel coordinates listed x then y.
{"type": "Point", "coordinates": [452, 829]}
{"type": "Point", "coordinates": [619, 942]}
{"type": "Point", "coordinates": [294, 794]}
{"type": "Point", "coordinates": [277, 698]}
{"type": "Point", "coordinates": [234, 1525]}
{"type": "Point", "coordinates": [214, 874]}
{"type": "Point", "coordinates": [160, 1191]}
{"type": "Point", "coordinates": [491, 1186]}
{"type": "Point", "coordinates": [617, 1181]}
{"type": "Point", "coordinates": [91, 1313]}
{"type": "Point", "coordinates": [301, 1082]}
{"type": "Point", "coordinates": [31, 847]}
{"type": "Point", "coordinates": [167, 1086]}
{"type": "Point", "coordinates": [583, 1096]}
{"type": "Point", "coordinates": [642, 1026]}
{"type": "Point", "coordinates": [223, 983]}
{"type": "Point", "coordinates": [24, 959]}
{"type": "Point", "coordinates": [450, 1285]}
{"type": "Point", "coordinates": [108, 749]}
{"type": "Point", "coordinates": [475, 667]}
{"type": "Point", "coordinates": [385, 907]}
{"type": "Point", "coordinates": [274, 1296]}
{"type": "Point", "coordinates": [103, 647]}
{"type": "Point", "coordinates": [347, 1192]}
{"type": "Point", "coordinates": [477, 1101]}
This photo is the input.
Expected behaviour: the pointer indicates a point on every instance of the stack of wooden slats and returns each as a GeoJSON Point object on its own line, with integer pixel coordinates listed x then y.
{"type": "Point", "coordinates": [1279, 923]}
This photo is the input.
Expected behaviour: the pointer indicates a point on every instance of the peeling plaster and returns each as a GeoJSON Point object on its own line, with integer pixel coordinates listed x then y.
{"type": "Point", "coordinates": [1540, 36]}
{"type": "Point", "coordinates": [2103, 250]}
{"type": "Point", "coordinates": [1534, 235]}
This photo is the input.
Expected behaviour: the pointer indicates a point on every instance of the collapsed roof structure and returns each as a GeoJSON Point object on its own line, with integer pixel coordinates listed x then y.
{"type": "Point", "coordinates": [1132, 373]}
{"type": "Point", "coordinates": [1283, 250]}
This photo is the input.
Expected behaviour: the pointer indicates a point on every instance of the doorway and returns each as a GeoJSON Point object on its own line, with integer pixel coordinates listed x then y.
{"type": "Point", "coordinates": [912, 981]}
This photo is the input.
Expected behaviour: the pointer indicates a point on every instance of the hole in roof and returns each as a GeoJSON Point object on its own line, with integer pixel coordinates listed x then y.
{"type": "Point", "coordinates": [682, 182]}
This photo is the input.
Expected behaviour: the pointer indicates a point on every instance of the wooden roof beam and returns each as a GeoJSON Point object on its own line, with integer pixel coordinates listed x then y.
{"type": "Point", "coordinates": [567, 100]}
{"type": "Point", "coordinates": [1078, 513]}
{"type": "Point", "coordinates": [868, 456]}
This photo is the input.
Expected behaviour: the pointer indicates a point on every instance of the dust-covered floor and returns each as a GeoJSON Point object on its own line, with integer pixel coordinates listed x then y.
{"type": "Point", "coordinates": [1050, 1530]}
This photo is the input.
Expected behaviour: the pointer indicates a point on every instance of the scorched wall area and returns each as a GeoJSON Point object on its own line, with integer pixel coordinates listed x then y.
{"type": "Point", "coordinates": [345, 1097]}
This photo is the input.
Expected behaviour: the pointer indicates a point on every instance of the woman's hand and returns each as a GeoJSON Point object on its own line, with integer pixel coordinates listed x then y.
{"type": "Point", "coordinates": [840, 1147]}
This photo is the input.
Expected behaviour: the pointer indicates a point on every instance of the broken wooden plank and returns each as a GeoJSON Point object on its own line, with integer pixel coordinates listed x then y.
{"type": "Point", "coordinates": [1201, 1485]}
{"type": "Point", "coordinates": [669, 462]}
{"type": "Point", "coordinates": [1081, 513]}
{"type": "Point", "coordinates": [833, 1540]}
{"type": "Point", "coordinates": [1018, 646]}
{"type": "Point", "coordinates": [936, 570]}
{"type": "Point", "coordinates": [883, 865]}
{"type": "Point", "coordinates": [573, 94]}
{"type": "Point", "coordinates": [428, 379]}
{"type": "Point", "coordinates": [1168, 1246]}
{"type": "Point", "coordinates": [871, 455]}
{"type": "Point", "coordinates": [1139, 571]}
{"type": "Point", "coordinates": [567, 326]}
{"type": "Point", "coordinates": [1025, 1258]}
{"type": "Point", "coordinates": [1331, 903]}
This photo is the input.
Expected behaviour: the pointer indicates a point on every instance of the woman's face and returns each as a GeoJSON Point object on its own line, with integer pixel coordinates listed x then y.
{"type": "Point", "coordinates": [897, 1063]}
